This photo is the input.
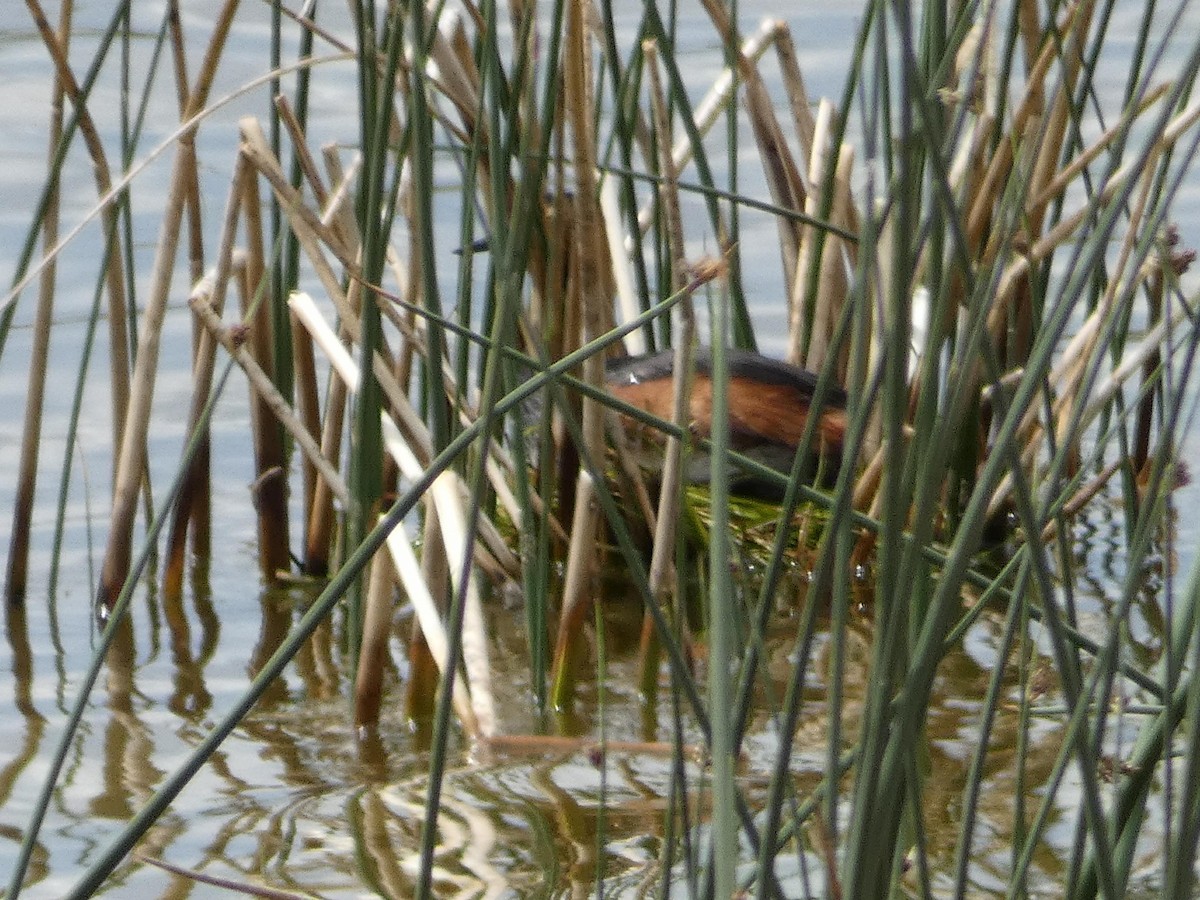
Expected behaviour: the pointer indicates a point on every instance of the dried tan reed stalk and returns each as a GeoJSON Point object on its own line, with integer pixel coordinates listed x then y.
{"type": "Point", "coordinates": [318, 536]}
{"type": "Point", "coordinates": [1077, 358]}
{"type": "Point", "coordinates": [423, 669]}
{"type": "Point", "coordinates": [233, 339]}
{"type": "Point", "coordinates": [837, 262]}
{"type": "Point", "coordinates": [270, 455]}
{"type": "Point", "coordinates": [670, 496]}
{"type": "Point", "coordinates": [1132, 361]}
{"type": "Point", "coordinates": [39, 355]}
{"type": "Point", "coordinates": [835, 259]}
{"type": "Point", "coordinates": [627, 300]}
{"type": "Point", "coordinates": [784, 179]}
{"type": "Point", "coordinates": [321, 519]}
{"type": "Point", "coordinates": [132, 459]}
{"type": "Point", "coordinates": [493, 553]}
{"type": "Point", "coordinates": [445, 498]}
{"type": "Point", "coordinates": [587, 258]}
{"type": "Point", "coordinates": [1025, 119]}
{"type": "Point", "coordinates": [430, 621]}
{"type": "Point", "coordinates": [454, 529]}
{"type": "Point", "coordinates": [446, 495]}
{"type": "Point", "coordinates": [198, 487]}
{"type": "Point", "coordinates": [803, 339]}
{"type": "Point", "coordinates": [211, 289]}
{"type": "Point", "coordinates": [878, 281]}
{"type": "Point", "coordinates": [118, 319]}
{"type": "Point", "coordinates": [708, 111]}
{"type": "Point", "coordinates": [373, 648]}
{"type": "Point", "coordinates": [578, 586]}
{"type": "Point", "coordinates": [794, 87]}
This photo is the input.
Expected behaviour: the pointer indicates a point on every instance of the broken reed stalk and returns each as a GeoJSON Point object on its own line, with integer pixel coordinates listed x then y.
{"type": "Point", "coordinates": [446, 494]}
{"type": "Point", "coordinates": [233, 339]}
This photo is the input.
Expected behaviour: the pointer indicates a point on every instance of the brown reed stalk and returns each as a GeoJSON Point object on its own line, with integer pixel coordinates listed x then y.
{"type": "Point", "coordinates": [318, 537]}
{"type": "Point", "coordinates": [321, 519]}
{"type": "Point", "coordinates": [233, 340]}
{"type": "Point", "coordinates": [663, 582]}
{"type": "Point", "coordinates": [1071, 45]}
{"type": "Point", "coordinates": [1132, 362]}
{"type": "Point", "coordinates": [492, 552]}
{"type": "Point", "coordinates": [706, 113]}
{"type": "Point", "coordinates": [118, 324]}
{"type": "Point", "coordinates": [446, 495]}
{"type": "Point", "coordinates": [18, 551]}
{"type": "Point", "coordinates": [132, 459]}
{"type": "Point", "coordinates": [784, 179]}
{"type": "Point", "coordinates": [373, 656]}
{"type": "Point", "coordinates": [1015, 331]}
{"type": "Point", "coordinates": [421, 694]}
{"type": "Point", "coordinates": [198, 486]}
{"type": "Point", "coordinates": [588, 257]}
{"type": "Point", "coordinates": [1024, 121]}
{"type": "Point", "coordinates": [578, 587]}
{"type": "Point", "coordinates": [338, 207]}
{"type": "Point", "coordinates": [308, 404]}
{"type": "Point", "coordinates": [212, 290]}
{"type": "Point", "coordinates": [270, 456]}
{"type": "Point", "coordinates": [1069, 374]}
{"type": "Point", "coordinates": [793, 85]}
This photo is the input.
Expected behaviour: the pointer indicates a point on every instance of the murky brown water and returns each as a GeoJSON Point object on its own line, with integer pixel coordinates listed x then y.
{"type": "Point", "coordinates": [293, 799]}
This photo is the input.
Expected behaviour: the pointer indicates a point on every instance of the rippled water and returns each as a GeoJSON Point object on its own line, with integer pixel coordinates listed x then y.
{"type": "Point", "coordinates": [292, 798]}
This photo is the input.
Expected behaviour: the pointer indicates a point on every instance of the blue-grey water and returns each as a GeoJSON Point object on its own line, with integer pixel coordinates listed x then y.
{"type": "Point", "coordinates": [292, 798]}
